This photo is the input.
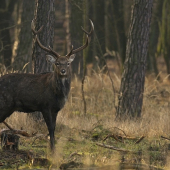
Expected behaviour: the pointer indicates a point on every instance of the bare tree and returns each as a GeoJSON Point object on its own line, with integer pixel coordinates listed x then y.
{"type": "Point", "coordinates": [133, 78]}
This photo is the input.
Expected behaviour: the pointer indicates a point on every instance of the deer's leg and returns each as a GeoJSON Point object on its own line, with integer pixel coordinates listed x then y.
{"type": "Point", "coordinates": [50, 120]}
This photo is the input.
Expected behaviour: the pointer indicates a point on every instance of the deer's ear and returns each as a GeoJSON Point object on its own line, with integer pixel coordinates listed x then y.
{"type": "Point", "coordinates": [71, 58]}
{"type": "Point", "coordinates": [50, 58]}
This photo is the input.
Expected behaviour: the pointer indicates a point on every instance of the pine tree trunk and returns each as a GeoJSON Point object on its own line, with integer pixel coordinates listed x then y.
{"type": "Point", "coordinates": [133, 78]}
{"type": "Point", "coordinates": [99, 22]}
{"type": "Point", "coordinates": [118, 21]}
{"type": "Point", "coordinates": [6, 9]}
{"type": "Point", "coordinates": [154, 35]}
{"type": "Point", "coordinates": [24, 48]}
{"type": "Point", "coordinates": [76, 36]}
{"type": "Point", "coordinates": [44, 15]}
{"type": "Point", "coordinates": [67, 26]}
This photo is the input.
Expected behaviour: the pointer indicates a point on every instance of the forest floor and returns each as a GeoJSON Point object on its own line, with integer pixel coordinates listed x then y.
{"type": "Point", "coordinates": [95, 140]}
{"type": "Point", "coordinates": [95, 149]}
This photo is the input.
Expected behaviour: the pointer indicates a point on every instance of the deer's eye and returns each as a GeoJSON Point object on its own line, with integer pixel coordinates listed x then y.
{"type": "Point", "coordinates": [57, 64]}
{"type": "Point", "coordinates": [68, 64]}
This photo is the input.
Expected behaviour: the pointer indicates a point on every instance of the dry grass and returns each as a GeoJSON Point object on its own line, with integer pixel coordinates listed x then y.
{"type": "Point", "coordinates": [155, 120]}
{"type": "Point", "coordinates": [100, 107]}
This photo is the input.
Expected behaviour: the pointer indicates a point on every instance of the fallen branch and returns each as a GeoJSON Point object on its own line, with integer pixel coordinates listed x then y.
{"type": "Point", "coordinates": [121, 138]}
{"type": "Point", "coordinates": [120, 130]}
{"type": "Point", "coordinates": [8, 126]}
{"type": "Point", "coordinates": [113, 136]}
{"type": "Point", "coordinates": [140, 139]}
{"type": "Point", "coordinates": [113, 148]}
{"type": "Point", "coordinates": [165, 137]}
{"type": "Point", "coordinates": [18, 132]}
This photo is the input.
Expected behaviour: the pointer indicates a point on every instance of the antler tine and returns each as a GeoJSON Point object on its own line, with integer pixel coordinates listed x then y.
{"type": "Point", "coordinates": [50, 50]}
{"type": "Point", "coordinates": [82, 47]}
{"type": "Point", "coordinates": [33, 28]}
{"type": "Point", "coordinates": [92, 28]}
{"type": "Point", "coordinates": [54, 52]}
{"type": "Point", "coordinates": [43, 47]}
{"type": "Point", "coordinates": [88, 37]}
{"type": "Point", "coordinates": [70, 52]}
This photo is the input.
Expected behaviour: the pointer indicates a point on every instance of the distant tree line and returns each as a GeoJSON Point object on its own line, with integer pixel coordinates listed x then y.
{"type": "Point", "coordinates": [111, 19]}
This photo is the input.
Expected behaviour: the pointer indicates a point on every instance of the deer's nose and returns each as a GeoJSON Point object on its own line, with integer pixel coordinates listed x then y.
{"type": "Point", "coordinates": [63, 71]}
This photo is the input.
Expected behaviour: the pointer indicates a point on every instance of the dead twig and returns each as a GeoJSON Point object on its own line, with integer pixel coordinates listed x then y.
{"type": "Point", "coordinates": [7, 125]}
{"type": "Point", "coordinates": [75, 153]}
{"type": "Point", "coordinates": [19, 132]}
{"type": "Point", "coordinates": [165, 138]}
{"type": "Point", "coordinates": [113, 148]}
{"type": "Point", "coordinates": [113, 136]}
{"type": "Point", "coordinates": [140, 139]}
{"type": "Point", "coordinates": [120, 130]}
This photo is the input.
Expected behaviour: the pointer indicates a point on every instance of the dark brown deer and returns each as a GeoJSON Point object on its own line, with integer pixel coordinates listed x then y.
{"type": "Point", "coordinates": [45, 92]}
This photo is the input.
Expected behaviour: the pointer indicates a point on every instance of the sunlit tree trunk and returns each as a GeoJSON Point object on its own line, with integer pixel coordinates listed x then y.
{"type": "Point", "coordinates": [133, 78]}
{"type": "Point", "coordinates": [43, 15]}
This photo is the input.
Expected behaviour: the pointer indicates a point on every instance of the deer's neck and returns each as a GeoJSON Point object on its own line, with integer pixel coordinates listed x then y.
{"type": "Point", "coordinates": [62, 85]}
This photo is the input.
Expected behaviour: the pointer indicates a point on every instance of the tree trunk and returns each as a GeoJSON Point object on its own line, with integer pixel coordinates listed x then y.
{"type": "Point", "coordinates": [165, 34]}
{"type": "Point", "coordinates": [118, 21]}
{"type": "Point", "coordinates": [6, 9]}
{"type": "Point", "coordinates": [99, 22]}
{"type": "Point", "coordinates": [67, 26]}
{"type": "Point", "coordinates": [154, 35]}
{"type": "Point", "coordinates": [76, 36]}
{"type": "Point", "coordinates": [24, 48]}
{"type": "Point", "coordinates": [43, 15]}
{"type": "Point", "coordinates": [133, 78]}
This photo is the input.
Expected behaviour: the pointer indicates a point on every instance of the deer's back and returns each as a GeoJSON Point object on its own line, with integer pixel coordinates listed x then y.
{"type": "Point", "coordinates": [29, 92]}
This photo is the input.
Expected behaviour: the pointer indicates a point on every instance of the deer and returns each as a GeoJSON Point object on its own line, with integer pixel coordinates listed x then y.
{"type": "Point", "coordinates": [46, 93]}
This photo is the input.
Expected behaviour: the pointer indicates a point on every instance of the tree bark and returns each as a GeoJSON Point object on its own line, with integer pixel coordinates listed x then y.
{"type": "Point", "coordinates": [99, 22]}
{"type": "Point", "coordinates": [24, 48]}
{"type": "Point", "coordinates": [133, 78]}
{"type": "Point", "coordinates": [43, 15]}
{"type": "Point", "coordinates": [67, 26]}
{"type": "Point", "coordinates": [154, 35]}
{"type": "Point", "coordinates": [165, 34]}
{"type": "Point", "coordinates": [6, 9]}
{"type": "Point", "coordinates": [118, 21]}
{"type": "Point", "coordinates": [76, 36]}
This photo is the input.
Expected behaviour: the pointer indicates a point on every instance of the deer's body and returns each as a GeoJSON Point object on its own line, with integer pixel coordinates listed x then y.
{"type": "Point", "coordinates": [45, 92]}
{"type": "Point", "coordinates": [32, 92]}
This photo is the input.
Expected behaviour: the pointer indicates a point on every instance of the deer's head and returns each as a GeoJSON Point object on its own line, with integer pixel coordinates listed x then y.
{"type": "Point", "coordinates": [62, 64]}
